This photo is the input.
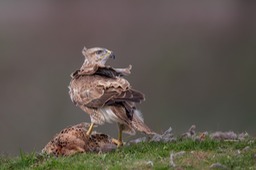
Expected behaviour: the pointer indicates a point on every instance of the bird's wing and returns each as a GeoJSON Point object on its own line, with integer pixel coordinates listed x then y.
{"type": "Point", "coordinates": [113, 72]}
{"type": "Point", "coordinates": [108, 71]}
{"type": "Point", "coordinates": [97, 91]}
{"type": "Point", "coordinates": [89, 70]}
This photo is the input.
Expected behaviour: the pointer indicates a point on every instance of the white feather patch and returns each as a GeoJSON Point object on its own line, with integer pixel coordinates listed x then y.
{"type": "Point", "coordinates": [109, 115]}
{"type": "Point", "coordinates": [139, 115]}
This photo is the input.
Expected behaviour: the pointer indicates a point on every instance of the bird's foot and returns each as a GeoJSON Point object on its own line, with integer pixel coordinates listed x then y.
{"type": "Point", "coordinates": [89, 131]}
{"type": "Point", "coordinates": [117, 142]}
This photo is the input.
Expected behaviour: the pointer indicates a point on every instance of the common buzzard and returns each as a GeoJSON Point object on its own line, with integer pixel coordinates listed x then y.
{"type": "Point", "coordinates": [103, 93]}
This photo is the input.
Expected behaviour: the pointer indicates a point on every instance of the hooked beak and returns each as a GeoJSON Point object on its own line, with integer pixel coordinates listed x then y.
{"type": "Point", "coordinates": [109, 54]}
{"type": "Point", "coordinates": [112, 55]}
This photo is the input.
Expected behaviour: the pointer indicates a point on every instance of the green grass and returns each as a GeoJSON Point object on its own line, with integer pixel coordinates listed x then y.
{"type": "Point", "coordinates": [197, 155]}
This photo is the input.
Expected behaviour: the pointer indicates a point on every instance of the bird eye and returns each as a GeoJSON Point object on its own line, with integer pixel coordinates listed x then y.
{"type": "Point", "coordinates": [99, 51]}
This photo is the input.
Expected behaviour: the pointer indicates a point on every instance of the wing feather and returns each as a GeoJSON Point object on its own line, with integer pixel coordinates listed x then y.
{"type": "Point", "coordinates": [96, 91]}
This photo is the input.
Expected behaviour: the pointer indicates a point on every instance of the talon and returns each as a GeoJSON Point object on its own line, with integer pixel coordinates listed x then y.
{"type": "Point", "coordinates": [117, 142]}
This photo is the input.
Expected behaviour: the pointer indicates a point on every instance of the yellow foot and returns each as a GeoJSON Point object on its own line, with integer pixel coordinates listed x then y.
{"type": "Point", "coordinates": [89, 131]}
{"type": "Point", "coordinates": [117, 142]}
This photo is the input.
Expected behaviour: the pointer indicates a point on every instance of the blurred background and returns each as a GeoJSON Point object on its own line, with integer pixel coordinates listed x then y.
{"type": "Point", "coordinates": [195, 62]}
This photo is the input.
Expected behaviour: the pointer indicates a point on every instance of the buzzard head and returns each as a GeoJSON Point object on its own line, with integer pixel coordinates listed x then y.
{"type": "Point", "coordinates": [97, 56]}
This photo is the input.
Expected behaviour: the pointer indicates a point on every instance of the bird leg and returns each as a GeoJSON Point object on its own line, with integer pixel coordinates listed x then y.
{"type": "Point", "coordinates": [119, 141]}
{"type": "Point", "coordinates": [89, 131]}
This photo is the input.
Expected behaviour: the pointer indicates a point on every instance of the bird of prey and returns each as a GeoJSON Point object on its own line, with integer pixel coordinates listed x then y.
{"type": "Point", "coordinates": [104, 93]}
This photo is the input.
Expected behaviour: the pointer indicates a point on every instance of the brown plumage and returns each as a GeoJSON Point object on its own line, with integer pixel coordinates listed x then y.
{"type": "Point", "coordinates": [74, 140]}
{"type": "Point", "coordinates": [103, 93]}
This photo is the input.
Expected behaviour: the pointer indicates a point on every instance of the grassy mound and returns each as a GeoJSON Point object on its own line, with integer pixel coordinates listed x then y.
{"type": "Point", "coordinates": [188, 154]}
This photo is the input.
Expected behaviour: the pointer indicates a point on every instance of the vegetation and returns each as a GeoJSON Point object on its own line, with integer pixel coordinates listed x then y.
{"type": "Point", "coordinates": [186, 154]}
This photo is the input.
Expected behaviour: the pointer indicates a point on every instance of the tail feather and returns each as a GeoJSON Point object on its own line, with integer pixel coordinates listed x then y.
{"type": "Point", "coordinates": [138, 123]}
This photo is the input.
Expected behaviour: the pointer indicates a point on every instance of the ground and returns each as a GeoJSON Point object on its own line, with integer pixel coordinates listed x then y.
{"type": "Point", "coordinates": [179, 154]}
